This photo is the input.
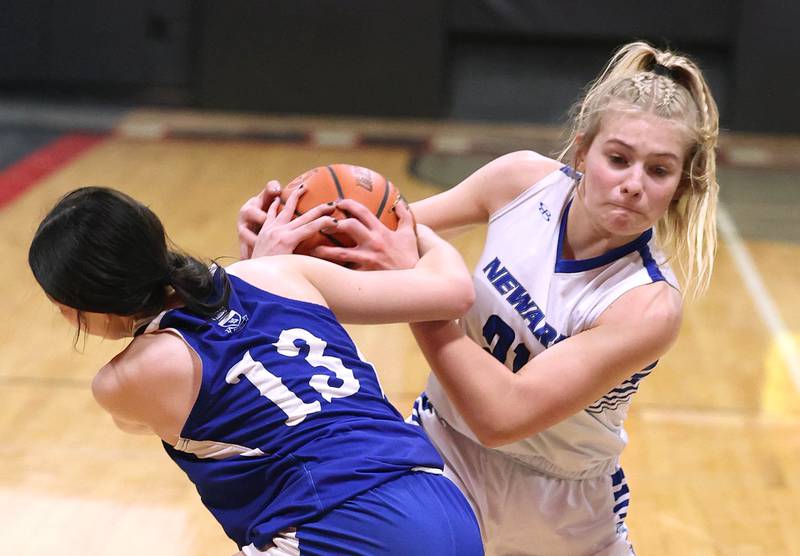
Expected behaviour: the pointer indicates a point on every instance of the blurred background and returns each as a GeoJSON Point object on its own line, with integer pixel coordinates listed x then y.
{"type": "Point", "coordinates": [504, 60]}
{"type": "Point", "coordinates": [190, 106]}
{"type": "Point", "coordinates": [501, 60]}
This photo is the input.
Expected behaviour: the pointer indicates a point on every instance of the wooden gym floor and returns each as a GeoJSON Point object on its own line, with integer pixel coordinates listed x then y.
{"type": "Point", "coordinates": [714, 454]}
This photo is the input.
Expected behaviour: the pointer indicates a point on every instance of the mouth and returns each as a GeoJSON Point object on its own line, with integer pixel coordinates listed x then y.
{"type": "Point", "coordinates": [625, 208]}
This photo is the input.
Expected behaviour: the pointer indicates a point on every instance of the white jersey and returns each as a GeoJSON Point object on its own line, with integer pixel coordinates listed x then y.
{"type": "Point", "coordinates": [529, 298]}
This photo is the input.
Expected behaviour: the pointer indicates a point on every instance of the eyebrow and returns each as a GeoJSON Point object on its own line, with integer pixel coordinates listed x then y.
{"type": "Point", "coordinates": [624, 144]}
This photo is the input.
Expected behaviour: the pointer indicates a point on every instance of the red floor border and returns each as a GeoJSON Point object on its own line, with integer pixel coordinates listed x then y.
{"type": "Point", "coordinates": [24, 174]}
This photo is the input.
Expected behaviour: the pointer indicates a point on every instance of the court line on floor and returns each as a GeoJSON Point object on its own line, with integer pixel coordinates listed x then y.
{"type": "Point", "coordinates": [765, 306]}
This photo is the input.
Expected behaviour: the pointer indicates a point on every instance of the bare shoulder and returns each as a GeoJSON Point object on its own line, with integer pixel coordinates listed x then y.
{"type": "Point", "coordinates": [132, 384]}
{"type": "Point", "coordinates": [283, 275]}
{"type": "Point", "coordinates": [513, 173]}
{"type": "Point", "coordinates": [652, 314]}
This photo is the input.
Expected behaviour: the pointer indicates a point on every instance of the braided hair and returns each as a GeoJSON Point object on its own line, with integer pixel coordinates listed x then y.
{"type": "Point", "coordinates": [642, 78]}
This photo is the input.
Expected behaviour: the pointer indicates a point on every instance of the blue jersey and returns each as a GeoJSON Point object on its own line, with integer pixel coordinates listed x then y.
{"type": "Point", "coordinates": [290, 421]}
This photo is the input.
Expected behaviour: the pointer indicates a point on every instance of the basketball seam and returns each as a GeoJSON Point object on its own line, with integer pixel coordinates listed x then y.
{"type": "Point", "coordinates": [336, 182]}
{"type": "Point", "coordinates": [333, 239]}
{"type": "Point", "coordinates": [386, 184]}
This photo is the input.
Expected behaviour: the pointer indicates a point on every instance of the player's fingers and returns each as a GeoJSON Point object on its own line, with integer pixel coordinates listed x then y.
{"type": "Point", "coordinates": [355, 229]}
{"type": "Point", "coordinates": [252, 216]}
{"type": "Point", "coordinates": [274, 187]}
{"type": "Point", "coordinates": [324, 224]}
{"type": "Point", "coordinates": [273, 208]}
{"type": "Point", "coordinates": [291, 204]}
{"type": "Point", "coordinates": [265, 230]}
{"type": "Point", "coordinates": [313, 214]}
{"type": "Point", "coordinates": [270, 191]}
{"type": "Point", "coordinates": [341, 255]}
{"type": "Point", "coordinates": [247, 238]}
{"type": "Point", "coordinates": [405, 220]}
{"type": "Point", "coordinates": [358, 211]}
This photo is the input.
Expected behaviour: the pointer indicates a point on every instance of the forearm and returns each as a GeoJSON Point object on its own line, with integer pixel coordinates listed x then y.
{"type": "Point", "coordinates": [483, 390]}
{"type": "Point", "coordinates": [443, 269]}
{"type": "Point", "coordinates": [501, 407]}
{"type": "Point", "coordinates": [447, 213]}
{"type": "Point", "coordinates": [438, 287]}
{"type": "Point", "coordinates": [439, 255]}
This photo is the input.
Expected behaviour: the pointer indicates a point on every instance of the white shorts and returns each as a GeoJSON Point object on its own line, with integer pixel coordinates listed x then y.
{"type": "Point", "coordinates": [522, 512]}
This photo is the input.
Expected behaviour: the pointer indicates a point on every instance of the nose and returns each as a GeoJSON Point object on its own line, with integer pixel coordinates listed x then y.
{"type": "Point", "coordinates": [632, 185]}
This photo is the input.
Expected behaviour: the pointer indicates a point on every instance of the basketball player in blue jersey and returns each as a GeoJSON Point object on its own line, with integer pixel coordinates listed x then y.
{"type": "Point", "coordinates": [575, 302]}
{"type": "Point", "coordinates": [254, 387]}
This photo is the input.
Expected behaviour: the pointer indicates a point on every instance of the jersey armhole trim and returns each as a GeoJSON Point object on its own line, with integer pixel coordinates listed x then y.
{"type": "Point", "coordinates": [651, 265]}
{"type": "Point", "coordinates": [548, 179]}
{"type": "Point", "coordinates": [202, 390]}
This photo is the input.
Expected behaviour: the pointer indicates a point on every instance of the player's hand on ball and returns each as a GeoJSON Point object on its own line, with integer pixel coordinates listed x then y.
{"type": "Point", "coordinates": [252, 216]}
{"type": "Point", "coordinates": [281, 232]}
{"type": "Point", "coordinates": [377, 247]}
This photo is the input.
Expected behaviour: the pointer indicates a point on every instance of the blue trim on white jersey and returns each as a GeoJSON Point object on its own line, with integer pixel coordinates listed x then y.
{"type": "Point", "coordinates": [581, 265]}
{"type": "Point", "coordinates": [651, 265]}
{"type": "Point", "coordinates": [571, 172]}
{"type": "Point", "coordinates": [621, 394]}
{"type": "Point", "coordinates": [619, 488]}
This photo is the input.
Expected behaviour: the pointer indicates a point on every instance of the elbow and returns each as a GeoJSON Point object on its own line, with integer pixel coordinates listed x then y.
{"type": "Point", "coordinates": [488, 440]}
{"type": "Point", "coordinates": [492, 431]}
{"type": "Point", "coordinates": [465, 298]}
{"type": "Point", "coordinates": [460, 297]}
{"type": "Point", "coordinates": [493, 437]}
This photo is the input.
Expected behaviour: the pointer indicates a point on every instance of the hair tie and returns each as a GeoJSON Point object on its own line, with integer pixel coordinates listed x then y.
{"type": "Point", "coordinates": [664, 71]}
{"type": "Point", "coordinates": [171, 273]}
{"type": "Point", "coordinates": [174, 265]}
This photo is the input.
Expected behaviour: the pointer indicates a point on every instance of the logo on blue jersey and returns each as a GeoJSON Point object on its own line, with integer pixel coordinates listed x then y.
{"type": "Point", "coordinates": [543, 210]}
{"type": "Point", "coordinates": [230, 320]}
{"type": "Point", "coordinates": [519, 298]}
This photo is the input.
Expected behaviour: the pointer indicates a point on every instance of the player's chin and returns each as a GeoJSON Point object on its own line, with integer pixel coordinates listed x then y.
{"type": "Point", "coordinates": [626, 227]}
{"type": "Point", "coordinates": [627, 224]}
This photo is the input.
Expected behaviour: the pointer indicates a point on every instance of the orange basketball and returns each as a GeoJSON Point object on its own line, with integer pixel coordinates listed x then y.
{"type": "Point", "coordinates": [343, 181]}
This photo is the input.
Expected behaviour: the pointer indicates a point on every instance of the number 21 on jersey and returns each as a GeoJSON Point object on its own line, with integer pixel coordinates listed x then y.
{"type": "Point", "coordinates": [497, 330]}
{"type": "Point", "coordinates": [271, 387]}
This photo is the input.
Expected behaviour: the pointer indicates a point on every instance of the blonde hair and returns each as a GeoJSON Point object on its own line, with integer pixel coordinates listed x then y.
{"type": "Point", "coordinates": [642, 78]}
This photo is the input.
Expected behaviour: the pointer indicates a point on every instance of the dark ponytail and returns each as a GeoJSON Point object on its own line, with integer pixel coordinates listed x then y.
{"type": "Point", "coordinates": [101, 251]}
{"type": "Point", "coordinates": [193, 282]}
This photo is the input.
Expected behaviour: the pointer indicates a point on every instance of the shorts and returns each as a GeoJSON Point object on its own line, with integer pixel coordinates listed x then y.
{"type": "Point", "coordinates": [419, 514]}
{"type": "Point", "coordinates": [523, 512]}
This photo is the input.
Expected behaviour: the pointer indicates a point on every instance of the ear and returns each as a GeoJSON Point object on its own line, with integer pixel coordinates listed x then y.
{"type": "Point", "coordinates": [683, 187]}
{"type": "Point", "coordinates": [580, 151]}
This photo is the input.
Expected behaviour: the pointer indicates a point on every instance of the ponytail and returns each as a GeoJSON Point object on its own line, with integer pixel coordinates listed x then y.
{"type": "Point", "coordinates": [642, 78]}
{"type": "Point", "coordinates": [194, 283]}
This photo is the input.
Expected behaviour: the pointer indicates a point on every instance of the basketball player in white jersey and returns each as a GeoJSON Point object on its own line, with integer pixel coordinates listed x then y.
{"type": "Point", "coordinates": [575, 303]}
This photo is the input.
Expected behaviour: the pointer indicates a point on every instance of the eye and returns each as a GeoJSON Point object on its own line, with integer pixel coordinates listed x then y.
{"type": "Point", "coordinates": [616, 159]}
{"type": "Point", "coordinates": [661, 171]}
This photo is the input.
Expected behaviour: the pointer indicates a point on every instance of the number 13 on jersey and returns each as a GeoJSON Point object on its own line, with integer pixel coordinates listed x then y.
{"type": "Point", "coordinates": [271, 386]}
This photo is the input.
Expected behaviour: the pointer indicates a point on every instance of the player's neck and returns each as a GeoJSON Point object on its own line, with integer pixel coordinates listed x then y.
{"type": "Point", "coordinates": [585, 237]}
